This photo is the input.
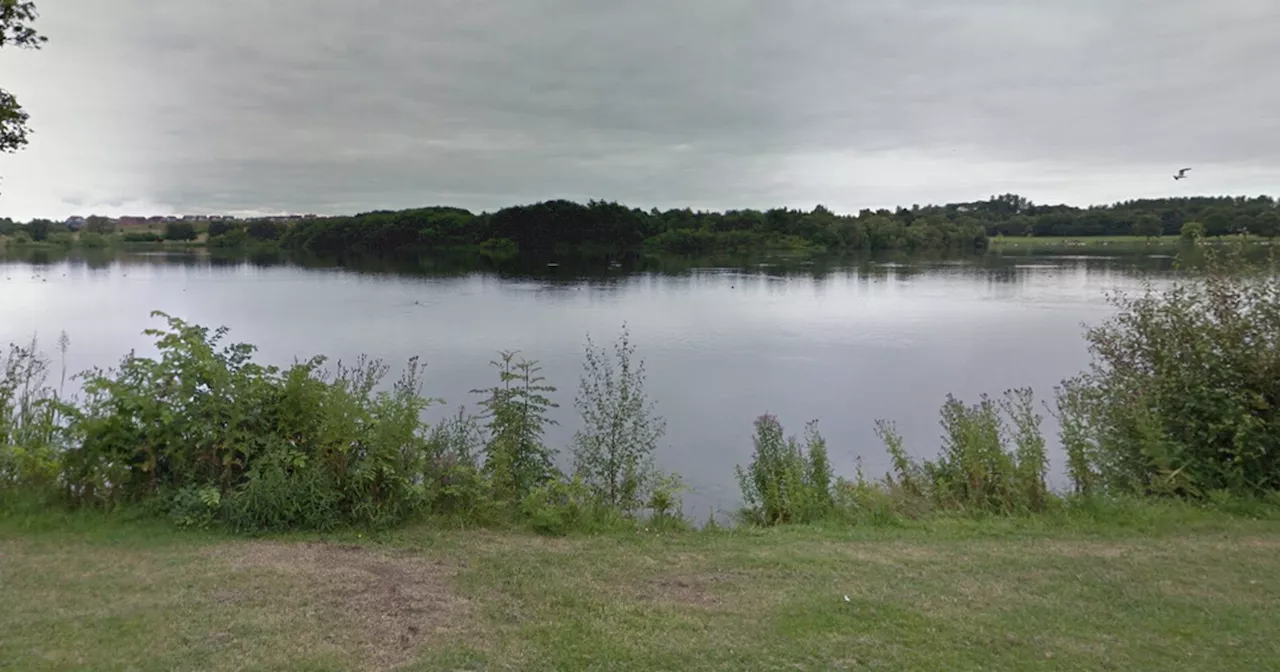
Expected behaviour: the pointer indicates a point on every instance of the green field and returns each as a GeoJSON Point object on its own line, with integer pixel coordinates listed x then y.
{"type": "Point", "coordinates": [1103, 242]}
{"type": "Point", "coordinates": [1166, 589]}
{"type": "Point", "coordinates": [1082, 241]}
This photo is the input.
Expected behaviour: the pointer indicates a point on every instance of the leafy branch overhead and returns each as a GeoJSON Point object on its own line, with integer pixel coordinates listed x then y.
{"type": "Point", "coordinates": [16, 17]}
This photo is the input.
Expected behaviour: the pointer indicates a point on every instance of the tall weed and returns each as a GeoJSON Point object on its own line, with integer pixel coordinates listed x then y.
{"type": "Point", "coordinates": [613, 452]}
{"type": "Point", "coordinates": [786, 482]}
{"type": "Point", "coordinates": [992, 459]}
{"type": "Point", "coordinates": [32, 419]}
{"type": "Point", "coordinates": [516, 459]}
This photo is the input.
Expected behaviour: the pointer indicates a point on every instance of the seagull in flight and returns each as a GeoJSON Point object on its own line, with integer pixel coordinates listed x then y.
{"type": "Point", "coordinates": [1182, 174]}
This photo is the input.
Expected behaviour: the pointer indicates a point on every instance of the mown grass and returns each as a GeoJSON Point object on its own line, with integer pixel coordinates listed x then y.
{"type": "Point", "coordinates": [1146, 586]}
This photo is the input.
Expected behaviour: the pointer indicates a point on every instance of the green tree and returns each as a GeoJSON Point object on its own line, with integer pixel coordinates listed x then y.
{"type": "Point", "coordinates": [179, 231]}
{"type": "Point", "coordinates": [39, 229]}
{"type": "Point", "coordinates": [613, 452]}
{"type": "Point", "coordinates": [98, 224]}
{"type": "Point", "coordinates": [1192, 230]}
{"type": "Point", "coordinates": [516, 409]}
{"type": "Point", "coordinates": [1147, 225]}
{"type": "Point", "coordinates": [220, 227]}
{"type": "Point", "coordinates": [16, 17]}
{"type": "Point", "coordinates": [1267, 224]}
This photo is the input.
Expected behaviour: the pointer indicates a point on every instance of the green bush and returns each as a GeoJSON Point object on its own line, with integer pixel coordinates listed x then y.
{"type": "Point", "coordinates": [516, 459]}
{"type": "Point", "coordinates": [181, 231]}
{"type": "Point", "coordinates": [785, 481]}
{"type": "Point", "coordinates": [220, 227]}
{"type": "Point", "coordinates": [265, 230]}
{"type": "Point", "coordinates": [993, 460]}
{"type": "Point", "coordinates": [32, 420]}
{"type": "Point", "coordinates": [236, 237]}
{"type": "Point", "coordinates": [93, 240]}
{"type": "Point", "coordinates": [141, 237]}
{"type": "Point", "coordinates": [1183, 392]}
{"type": "Point", "coordinates": [62, 239]}
{"type": "Point", "coordinates": [294, 448]}
{"type": "Point", "coordinates": [613, 452]}
{"type": "Point", "coordinates": [205, 436]}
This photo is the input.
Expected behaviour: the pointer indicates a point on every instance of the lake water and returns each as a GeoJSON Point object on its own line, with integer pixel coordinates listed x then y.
{"type": "Point", "coordinates": [844, 343]}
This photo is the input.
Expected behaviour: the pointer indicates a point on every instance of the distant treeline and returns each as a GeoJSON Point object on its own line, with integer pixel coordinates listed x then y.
{"type": "Point", "coordinates": [564, 225]}
{"type": "Point", "coordinates": [560, 226]}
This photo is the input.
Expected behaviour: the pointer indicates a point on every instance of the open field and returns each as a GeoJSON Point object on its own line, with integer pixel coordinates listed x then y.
{"type": "Point", "coordinates": [1151, 589]}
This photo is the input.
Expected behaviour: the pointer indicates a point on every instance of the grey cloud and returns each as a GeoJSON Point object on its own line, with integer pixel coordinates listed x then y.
{"type": "Point", "coordinates": [327, 105]}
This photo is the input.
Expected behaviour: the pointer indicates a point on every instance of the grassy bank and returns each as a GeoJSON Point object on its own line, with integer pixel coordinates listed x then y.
{"type": "Point", "coordinates": [1148, 587]}
{"type": "Point", "coordinates": [999, 242]}
{"type": "Point", "coordinates": [1112, 243]}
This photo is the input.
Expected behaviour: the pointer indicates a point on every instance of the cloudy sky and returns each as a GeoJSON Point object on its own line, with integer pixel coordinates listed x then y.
{"type": "Point", "coordinates": [328, 106]}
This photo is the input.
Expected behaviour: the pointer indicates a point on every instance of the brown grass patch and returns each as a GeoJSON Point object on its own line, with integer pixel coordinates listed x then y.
{"type": "Point", "coordinates": [390, 604]}
{"type": "Point", "coordinates": [703, 589]}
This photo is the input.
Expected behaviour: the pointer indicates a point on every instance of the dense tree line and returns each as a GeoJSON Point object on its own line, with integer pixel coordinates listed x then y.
{"type": "Point", "coordinates": [560, 225]}
{"type": "Point", "coordinates": [565, 225]}
{"type": "Point", "coordinates": [1013, 215]}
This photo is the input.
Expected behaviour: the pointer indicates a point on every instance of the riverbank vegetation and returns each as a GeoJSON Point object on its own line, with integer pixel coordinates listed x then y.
{"type": "Point", "coordinates": [462, 545]}
{"type": "Point", "coordinates": [1180, 402]}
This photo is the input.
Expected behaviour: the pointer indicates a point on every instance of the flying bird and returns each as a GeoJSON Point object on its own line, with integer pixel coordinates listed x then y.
{"type": "Point", "coordinates": [1182, 174]}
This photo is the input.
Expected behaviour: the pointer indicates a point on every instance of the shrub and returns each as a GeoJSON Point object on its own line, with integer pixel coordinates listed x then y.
{"type": "Point", "coordinates": [613, 452]}
{"type": "Point", "coordinates": [62, 239]}
{"type": "Point", "coordinates": [516, 459]}
{"type": "Point", "coordinates": [22, 238]}
{"type": "Point", "coordinates": [458, 489]}
{"type": "Point", "coordinates": [266, 230]}
{"type": "Point", "coordinates": [99, 225]}
{"type": "Point", "coordinates": [219, 227]}
{"type": "Point", "coordinates": [39, 229]}
{"type": "Point", "coordinates": [1192, 231]}
{"type": "Point", "coordinates": [31, 420]}
{"type": "Point", "coordinates": [236, 237]}
{"type": "Point", "coordinates": [557, 506]}
{"type": "Point", "coordinates": [142, 237]}
{"type": "Point", "coordinates": [1181, 397]}
{"type": "Point", "coordinates": [300, 448]}
{"type": "Point", "coordinates": [786, 482]}
{"type": "Point", "coordinates": [180, 231]}
{"type": "Point", "coordinates": [93, 240]}
{"type": "Point", "coordinates": [992, 459]}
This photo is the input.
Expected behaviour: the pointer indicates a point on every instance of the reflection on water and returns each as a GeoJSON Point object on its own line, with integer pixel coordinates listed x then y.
{"type": "Point", "coordinates": [846, 341]}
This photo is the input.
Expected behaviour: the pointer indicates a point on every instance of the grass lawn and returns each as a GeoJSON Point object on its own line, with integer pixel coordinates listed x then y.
{"type": "Point", "coordinates": [1172, 589]}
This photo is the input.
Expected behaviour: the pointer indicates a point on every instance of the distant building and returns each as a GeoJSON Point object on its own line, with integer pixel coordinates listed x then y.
{"type": "Point", "coordinates": [75, 223]}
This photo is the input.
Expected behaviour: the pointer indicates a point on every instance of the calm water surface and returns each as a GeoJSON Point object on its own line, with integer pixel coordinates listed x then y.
{"type": "Point", "coordinates": [843, 343]}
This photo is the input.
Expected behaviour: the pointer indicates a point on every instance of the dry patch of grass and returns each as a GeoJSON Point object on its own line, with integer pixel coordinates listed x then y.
{"type": "Point", "coordinates": [237, 605]}
{"type": "Point", "coordinates": [390, 603]}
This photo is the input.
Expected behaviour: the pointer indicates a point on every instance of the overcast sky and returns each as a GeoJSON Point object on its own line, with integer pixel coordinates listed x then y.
{"type": "Point", "coordinates": [327, 106]}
